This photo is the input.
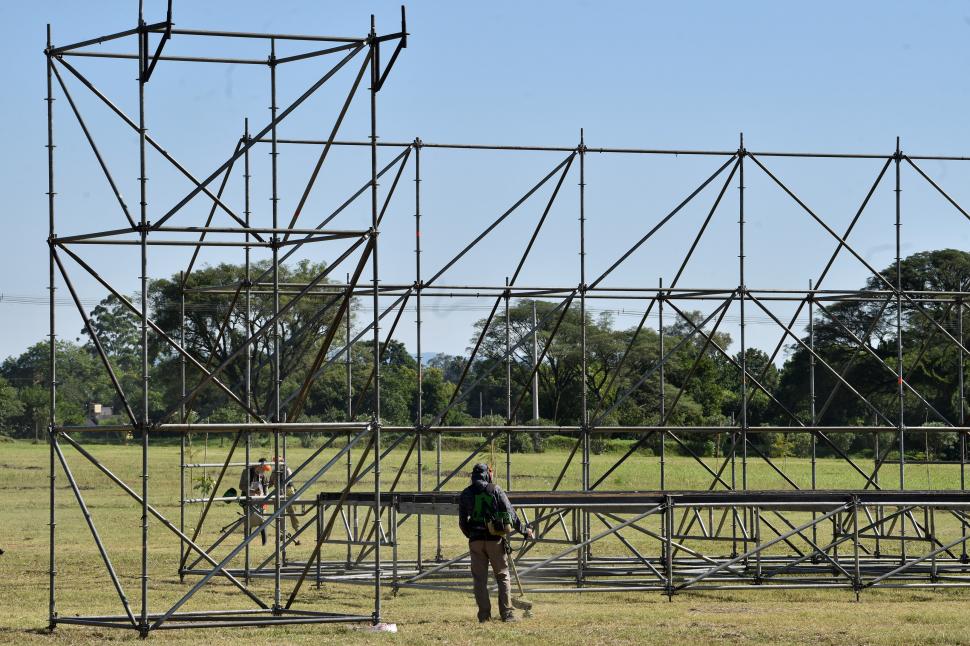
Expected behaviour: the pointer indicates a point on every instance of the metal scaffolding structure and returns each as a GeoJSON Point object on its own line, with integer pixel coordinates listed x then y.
{"type": "Point", "coordinates": [726, 536]}
{"type": "Point", "coordinates": [144, 233]}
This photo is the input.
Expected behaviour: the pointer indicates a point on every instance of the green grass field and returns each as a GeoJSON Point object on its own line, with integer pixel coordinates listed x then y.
{"type": "Point", "coordinates": [816, 617]}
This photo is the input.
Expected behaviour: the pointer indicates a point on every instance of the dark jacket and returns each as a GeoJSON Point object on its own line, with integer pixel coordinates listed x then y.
{"type": "Point", "coordinates": [479, 500]}
{"type": "Point", "coordinates": [250, 479]}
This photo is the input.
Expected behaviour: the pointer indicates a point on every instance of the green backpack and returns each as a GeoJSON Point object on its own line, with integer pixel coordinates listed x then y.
{"type": "Point", "coordinates": [498, 523]}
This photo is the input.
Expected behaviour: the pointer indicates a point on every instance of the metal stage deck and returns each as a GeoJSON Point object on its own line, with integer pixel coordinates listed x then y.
{"type": "Point", "coordinates": [662, 541]}
{"type": "Point", "coordinates": [446, 502]}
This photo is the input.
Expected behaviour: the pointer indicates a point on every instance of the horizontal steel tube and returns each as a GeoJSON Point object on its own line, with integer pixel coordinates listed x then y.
{"type": "Point", "coordinates": [182, 59]}
{"type": "Point", "coordinates": [246, 34]}
{"type": "Point", "coordinates": [615, 150]}
{"type": "Point", "coordinates": [285, 427]}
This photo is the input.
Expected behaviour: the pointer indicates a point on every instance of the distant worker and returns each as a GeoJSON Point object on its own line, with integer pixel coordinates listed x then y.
{"type": "Point", "coordinates": [486, 517]}
{"type": "Point", "coordinates": [254, 483]}
{"type": "Point", "coordinates": [290, 491]}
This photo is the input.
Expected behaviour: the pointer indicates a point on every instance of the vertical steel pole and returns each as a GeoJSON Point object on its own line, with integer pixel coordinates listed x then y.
{"type": "Point", "coordinates": [857, 584]}
{"type": "Point", "coordinates": [535, 362]}
{"type": "Point", "coordinates": [438, 556]}
{"type": "Point", "coordinates": [281, 490]}
{"type": "Point", "coordinates": [183, 547]}
{"type": "Point", "coordinates": [52, 339]}
{"type": "Point", "coordinates": [376, 419]}
{"type": "Point", "coordinates": [962, 418]}
{"type": "Point", "coordinates": [742, 289]}
{"type": "Point", "coordinates": [756, 520]}
{"type": "Point", "coordinates": [811, 393]}
{"type": "Point", "coordinates": [877, 530]}
{"type": "Point", "coordinates": [418, 287]}
{"type": "Point", "coordinates": [248, 327]}
{"type": "Point", "coordinates": [744, 363]}
{"type": "Point", "coordinates": [274, 199]}
{"type": "Point", "coordinates": [668, 519]}
{"type": "Point", "coordinates": [392, 533]}
{"type": "Point", "coordinates": [246, 528]}
{"type": "Point", "coordinates": [143, 187]}
{"type": "Point", "coordinates": [811, 374]}
{"type": "Point", "coordinates": [734, 485]}
{"type": "Point", "coordinates": [319, 523]}
{"type": "Point", "coordinates": [280, 480]}
{"type": "Point", "coordinates": [508, 386]}
{"type": "Point", "coordinates": [900, 394]}
{"type": "Point", "coordinates": [348, 359]}
{"type": "Point", "coordinates": [663, 398]}
{"type": "Point", "coordinates": [584, 367]}
{"type": "Point", "coordinates": [961, 359]}
{"type": "Point", "coordinates": [350, 414]}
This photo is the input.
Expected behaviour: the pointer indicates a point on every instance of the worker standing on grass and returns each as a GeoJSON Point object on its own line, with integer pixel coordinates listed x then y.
{"type": "Point", "coordinates": [486, 517]}
{"type": "Point", "coordinates": [274, 481]}
{"type": "Point", "coordinates": [254, 481]}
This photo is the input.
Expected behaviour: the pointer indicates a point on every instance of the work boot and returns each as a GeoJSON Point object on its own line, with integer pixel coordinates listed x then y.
{"type": "Point", "coordinates": [484, 619]}
{"type": "Point", "coordinates": [510, 618]}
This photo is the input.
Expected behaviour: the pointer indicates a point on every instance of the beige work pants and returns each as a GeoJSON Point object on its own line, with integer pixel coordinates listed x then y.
{"type": "Point", "coordinates": [255, 520]}
{"type": "Point", "coordinates": [483, 554]}
{"type": "Point", "coordinates": [291, 513]}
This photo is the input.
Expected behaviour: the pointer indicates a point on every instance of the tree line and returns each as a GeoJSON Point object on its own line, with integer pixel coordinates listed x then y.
{"type": "Point", "coordinates": [854, 342]}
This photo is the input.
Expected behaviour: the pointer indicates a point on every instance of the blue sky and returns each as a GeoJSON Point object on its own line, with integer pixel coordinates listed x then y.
{"type": "Point", "coordinates": [822, 76]}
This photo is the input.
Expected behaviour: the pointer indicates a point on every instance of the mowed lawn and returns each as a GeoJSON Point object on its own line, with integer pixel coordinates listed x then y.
{"type": "Point", "coordinates": [756, 616]}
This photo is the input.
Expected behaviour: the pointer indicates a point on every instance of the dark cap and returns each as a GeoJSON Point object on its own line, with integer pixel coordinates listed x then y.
{"type": "Point", "coordinates": [480, 472]}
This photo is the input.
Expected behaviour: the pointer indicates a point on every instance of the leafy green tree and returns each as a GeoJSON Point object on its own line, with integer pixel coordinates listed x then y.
{"type": "Point", "coordinates": [11, 407]}
{"type": "Point", "coordinates": [930, 358]}
{"type": "Point", "coordinates": [449, 365]}
{"type": "Point", "coordinates": [215, 328]}
{"type": "Point", "coordinates": [81, 380]}
{"type": "Point", "coordinates": [118, 331]}
{"type": "Point", "coordinates": [436, 392]}
{"type": "Point", "coordinates": [701, 386]}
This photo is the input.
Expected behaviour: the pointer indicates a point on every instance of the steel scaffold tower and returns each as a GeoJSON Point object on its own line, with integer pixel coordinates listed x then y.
{"type": "Point", "coordinates": [143, 231]}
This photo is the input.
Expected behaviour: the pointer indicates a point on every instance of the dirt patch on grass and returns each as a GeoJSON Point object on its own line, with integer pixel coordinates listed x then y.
{"type": "Point", "coordinates": [24, 467]}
